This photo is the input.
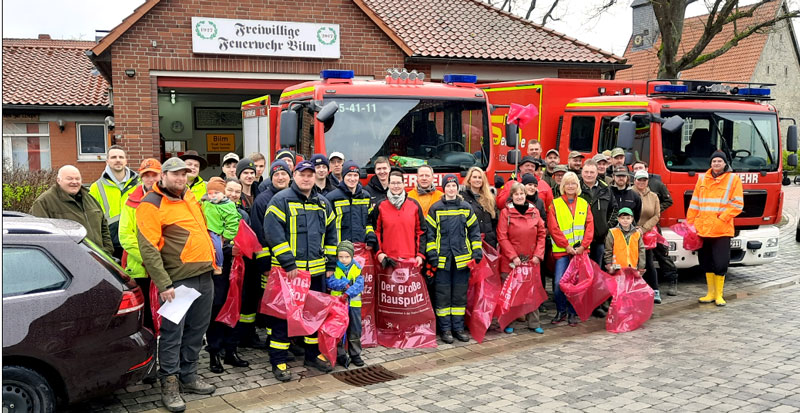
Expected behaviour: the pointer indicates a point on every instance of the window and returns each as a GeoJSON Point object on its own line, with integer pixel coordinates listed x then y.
{"type": "Point", "coordinates": [174, 148]}
{"type": "Point", "coordinates": [26, 145]}
{"type": "Point", "coordinates": [30, 270]}
{"type": "Point", "coordinates": [92, 141]}
{"type": "Point", "coordinates": [641, 143]}
{"type": "Point", "coordinates": [581, 133]}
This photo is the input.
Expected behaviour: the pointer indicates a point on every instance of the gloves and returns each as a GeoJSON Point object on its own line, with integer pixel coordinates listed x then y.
{"type": "Point", "coordinates": [388, 262]}
{"type": "Point", "coordinates": [430, 269]}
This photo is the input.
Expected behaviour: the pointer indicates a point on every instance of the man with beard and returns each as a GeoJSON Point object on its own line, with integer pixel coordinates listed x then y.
{"type": "Point", "coordinates": [552, 159]}
{"type": "Point", "coordinates": [112, 189]}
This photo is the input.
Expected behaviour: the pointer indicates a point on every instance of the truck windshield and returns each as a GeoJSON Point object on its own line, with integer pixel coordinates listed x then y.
{"type": "Point", "coordinates": [446, 134]}
{"type": "Point", "coordinates": [749, 139]}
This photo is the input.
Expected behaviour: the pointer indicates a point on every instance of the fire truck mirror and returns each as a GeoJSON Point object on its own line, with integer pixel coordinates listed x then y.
{"type": "Point", "coordinates": [513, 157]}
{"type": "Point", "coordinates": [327, 112]}
{"type": "Point", "coordinates": [512, 135]}
{"type": "Point", "coordinates": [791, 138]}
{"type": "Point", "coordinates": [792, 160]}
{"type": "Point", "coordinates": [288, 129]}
{"type": "Point", "coordinates": [627, 130]}
{"type": "Point", "coordinates": [673, 124]}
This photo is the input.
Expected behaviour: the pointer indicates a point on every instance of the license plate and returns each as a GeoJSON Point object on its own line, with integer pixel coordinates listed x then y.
{"type": "Point", "coordinates": [736, 244]}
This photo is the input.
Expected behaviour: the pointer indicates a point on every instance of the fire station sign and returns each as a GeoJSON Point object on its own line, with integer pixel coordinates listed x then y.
{"type": "Point", "coordinates": [264, 38]}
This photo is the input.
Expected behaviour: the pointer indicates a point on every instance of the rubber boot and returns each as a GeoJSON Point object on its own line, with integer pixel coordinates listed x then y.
{"type": "Point", "coordinates": [711, 296]}
{"type": "Point", "coordinates": [719, 282]}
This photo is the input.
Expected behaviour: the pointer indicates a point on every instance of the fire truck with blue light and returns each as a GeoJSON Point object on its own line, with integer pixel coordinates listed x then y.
{"type": "Point", "coordinates": [674, 126]}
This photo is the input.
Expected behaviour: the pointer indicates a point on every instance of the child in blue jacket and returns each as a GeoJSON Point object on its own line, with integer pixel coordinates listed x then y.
{"type": "Point", "coordinates": [347, 280]}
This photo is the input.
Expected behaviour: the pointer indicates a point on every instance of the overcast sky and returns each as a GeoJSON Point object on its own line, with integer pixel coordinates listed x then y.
{"type": "Point", "coordinates": [78, 19]}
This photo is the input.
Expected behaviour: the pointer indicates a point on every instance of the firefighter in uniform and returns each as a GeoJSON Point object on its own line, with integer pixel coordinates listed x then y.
{"type": "Point", "coordinates": [301, 234]}
{"type": "Point", "coordinates": [454, 239]}
{"type": "Point", "coordinates": [352, 207]}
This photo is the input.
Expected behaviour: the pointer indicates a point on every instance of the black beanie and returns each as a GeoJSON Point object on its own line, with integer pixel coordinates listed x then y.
{"type": "Point", "coordinates": [279, 165]}
{"type": "Point", "coordinates": [719, 154]}
{"type": "Point", "coordinates": [498, 181]}
{"type": "Point", "coordinates": [245, 163]}
{"type": "Point", "coordinates": [449, 178]}
{"type": "Point", "coordinates": [529, 179]}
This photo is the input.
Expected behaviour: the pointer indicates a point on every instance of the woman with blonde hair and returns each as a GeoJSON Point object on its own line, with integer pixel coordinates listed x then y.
{"type": "Point", "coordinates": [476, 191]}
{"type": "Point", "coordinates": [571, 227]}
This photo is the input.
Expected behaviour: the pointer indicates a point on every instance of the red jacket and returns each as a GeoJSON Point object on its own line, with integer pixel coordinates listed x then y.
{"type": "Point", "coordinates": [544, 189]}
{"type": "Point", "coordinates": [400, 232]}
{"type": "Point", "coordinates": [519, 234]}
{"type": "Point", "coordinates": [558, 236]}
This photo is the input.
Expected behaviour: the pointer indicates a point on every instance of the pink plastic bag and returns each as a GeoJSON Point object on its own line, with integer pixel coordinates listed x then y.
{"type": "Point", "coordinates": [521, 115]}
{"type": "Point", "coordinates": [229, 314]}
{"type": "Point", "coordinates": [483, 294]}
{"type": "Point", "coordinates": [154, 306]}
{"type": "Point", "coordinates": [584, 285]}
{"type": "Point", "coordinates": [404, 314]}
{"type": "Point", "coordinates": [303, 311]}
{"type": "Point", "coordinates": [246, 240]}
{"type": "Point", "coordinates": [633, 303]}
{"type": "Point", "coordinates": [691, 241]}
{"type": "Point", "coordinates": [652, 238]}
{"type": "Point", "coordinates": [369, 336]}
{"type": "Point", "coordinates": [521, 294]}
{"type": "Point", "coordinates": [333, 329]}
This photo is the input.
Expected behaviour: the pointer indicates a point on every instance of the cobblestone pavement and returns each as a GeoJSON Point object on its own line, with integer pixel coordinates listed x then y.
{"type": "Point", "coordinates": [240, 389]}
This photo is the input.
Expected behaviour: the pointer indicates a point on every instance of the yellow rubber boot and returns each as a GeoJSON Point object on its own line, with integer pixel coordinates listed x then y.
{"type": "Point", "coordinates": [711, 296]}
{"type": "Point", "coordinates": [719, 282]}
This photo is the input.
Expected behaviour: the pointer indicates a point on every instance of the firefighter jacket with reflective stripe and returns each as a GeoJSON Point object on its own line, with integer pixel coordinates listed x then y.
{"type": "Point", "coordinates": [301, 231]}
{"type": "Point", "coordinates": [173, 237]}
{"type": "Point", "coordinates": [131, 258]}
{"type": "Point", "coordinates": [453, 234]}
{"type": "Point", "coordinates": [198, 187]}
{"type": "Point", "coordinates": [347, 280]}
{"type": "Point", "coordinates": [715, 202]}
{"type": "Point", "coordinates": [352, 215]}
{"type": "Point", "coordinates": [111, 197]}
{"type": "Point", "coordinates": [625, 248]}
{"type": "Point", "coordinates": [257, 214]}
{"type": "Point", "coordinates": [569, 223]}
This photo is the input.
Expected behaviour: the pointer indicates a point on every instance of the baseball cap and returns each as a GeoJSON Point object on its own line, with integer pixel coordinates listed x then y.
{"type": "Point", "coordinates": [150, 165]}
{"type": "Point", "coordinates": [640, 174]}
{"type": "Point", "coordinates": [230, 157]}
{"type": "Point", "coordinates": [319, 159]}
{"type": "Point", "coordinates": [174, 164]}
{"type": "Point", "coordinates": [303, 166]}
{"type": "Point", "coordinates": [528, 159]}
{"type": "Point", "coordinates": [336, 155]}
{"type": "Point", "coordinates": [607, 153]}
{"type": "Point", "coordinates": [625, 211]}
{"type": "Point", "coordinates": [621, 171]}
{"type": "Point", "coordinates": [555, 151]}
{"type": "Point", "coordinates": [560, 168]}
{"type": "Point", "coordinates": [617, 152]}
{"type": "Point", "coordinates": [600, 158]}
{"type": "Point", "coordinates": [575, 154]}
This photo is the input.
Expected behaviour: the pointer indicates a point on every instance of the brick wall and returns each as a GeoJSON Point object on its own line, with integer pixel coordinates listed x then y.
{"type": "Point", "coordinates": [64, 151]}
{"type": "Point", "coordinates": [365, 49]}
{"type": "Point", "coordinates": [574, 73]}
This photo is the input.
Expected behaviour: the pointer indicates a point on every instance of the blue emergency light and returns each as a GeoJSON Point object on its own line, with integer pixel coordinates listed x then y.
{"type": "Point", "coordinates": [455, 78]}
{"type": "Point", "coordinates": [754, 91]}
{"type": "Point", "coordinates": [671, 89]}
{"type": "Point", "coordinates": [336, 74]}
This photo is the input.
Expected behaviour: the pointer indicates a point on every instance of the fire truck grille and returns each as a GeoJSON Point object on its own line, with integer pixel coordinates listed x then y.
{"type": "Point", "coordinates": [754, 202]}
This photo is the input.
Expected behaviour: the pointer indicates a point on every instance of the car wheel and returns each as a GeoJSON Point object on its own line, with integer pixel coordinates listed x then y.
{"type": "Point", "coordinates": [25, 390]}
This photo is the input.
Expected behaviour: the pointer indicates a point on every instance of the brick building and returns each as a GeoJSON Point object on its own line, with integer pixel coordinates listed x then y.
{"type": "Point", "coordinates": [55, 106]}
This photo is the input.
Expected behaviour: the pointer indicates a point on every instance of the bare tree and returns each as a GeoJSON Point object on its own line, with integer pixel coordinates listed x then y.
{"type": "Point", "coordinates": [510, 5]}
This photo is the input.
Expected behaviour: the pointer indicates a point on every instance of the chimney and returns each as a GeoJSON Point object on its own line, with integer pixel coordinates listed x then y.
{"type": "Point", "coordinates": [44, 37]}
{"type": "Point", "coordinates": [645, 26]}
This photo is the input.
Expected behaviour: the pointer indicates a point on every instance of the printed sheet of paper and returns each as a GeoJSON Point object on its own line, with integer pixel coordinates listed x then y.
{"type": "Point", "coordinates": [175, 310]}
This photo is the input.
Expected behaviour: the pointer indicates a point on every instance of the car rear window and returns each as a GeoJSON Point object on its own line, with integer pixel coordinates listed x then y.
{"type": "Point", "coordinates": [28, 270]}
{"type": "Point", "coordinates": [108, 262]}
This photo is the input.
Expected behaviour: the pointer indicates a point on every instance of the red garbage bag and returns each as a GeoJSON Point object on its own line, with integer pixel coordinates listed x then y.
{"type": "Point", "coordinates": [584, 285]}
{"type": "Point", "coordinates": [691, 241]}
{"type": "Point", "coordinates": [333, 329]}
{"type": "Point", "coordinates": [521, 294]}
{"type": "Point", "coordinates": [632, 304]}
{"type": "Point", "coordinates": [364, 258]}
{"type": "Point", "coordinates": [483, 293]}
{"type": "Point", "coordinates": [246, 240]}
{"type": "Point", "coordinates": [229, 314]}
{"type": "Point", "coordinates": [652, 238]}
{"type": "Point", "coordinates": [404, 314]}
{"type": "Point", "coordinates": [522, 115]}
{"type": "Point", "coordinates": [154, 306]}
{"type": "Point", "coordinates": [291, 301]}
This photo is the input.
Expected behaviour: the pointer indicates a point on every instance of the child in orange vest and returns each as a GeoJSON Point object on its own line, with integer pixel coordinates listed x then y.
{"type": "Point", "coordinates": [624, 245]}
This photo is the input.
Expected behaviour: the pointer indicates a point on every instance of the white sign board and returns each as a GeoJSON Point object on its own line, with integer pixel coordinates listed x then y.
{"type": "Point", "coordinates": [264, 38]}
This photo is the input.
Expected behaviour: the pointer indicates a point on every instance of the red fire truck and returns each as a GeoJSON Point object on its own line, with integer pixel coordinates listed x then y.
{"type": "Point", "coordinates": [674, 127]}
{"type": "Point", "coordinates": [402, 117]}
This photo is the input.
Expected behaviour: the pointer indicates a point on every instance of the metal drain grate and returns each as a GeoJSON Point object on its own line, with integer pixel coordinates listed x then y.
{"type": "Point", "coordinates": [366, 376]}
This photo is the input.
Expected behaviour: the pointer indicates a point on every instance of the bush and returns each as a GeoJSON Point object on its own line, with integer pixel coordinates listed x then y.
{"type": "Point", "coordinates": [21, 187]}
{"type": "Point", "coordinates": [790, 169]}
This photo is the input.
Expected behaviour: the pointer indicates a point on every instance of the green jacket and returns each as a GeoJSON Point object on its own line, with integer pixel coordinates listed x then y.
{"type": "Point", "coordinates": [127, 234]}
{"type": "Point", "coordinates": [111, 197]}
{"type": "Point", "coordinates": [83, 209]}
{"type": "Point", "coordinates": [198, 187]}
{"type": "Point", "coordinates": [222, 218]}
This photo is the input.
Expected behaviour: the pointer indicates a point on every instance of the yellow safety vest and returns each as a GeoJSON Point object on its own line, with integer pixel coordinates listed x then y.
{"type": "Point", "coordinates": [351, 276]}
{"type": "Point", "coordinates": [572, 227]}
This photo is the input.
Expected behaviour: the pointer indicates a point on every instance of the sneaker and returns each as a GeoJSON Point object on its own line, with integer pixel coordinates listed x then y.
{"type": "Point", "coordinates": [657, 297]}
{"type": "Point", "coordinates": [447, 337]}
{"type": "Point", "coordinates": [320, 363]}
{"type": "Point", "coordinates": [509, 330]}
{"type": "Point", "coordinates": [538, 330]}
{"type": "Point", "coordinates": [560, 317]}
{"type": "Point", "coordinates": [198, 387]}
{"type": "Point", "coordinates": [572, 320]}
{"type": "Point", "coordinates": [358, 361]}
{"type": "Point", "coordinates": [171, 395]}
{"type": "Point", "coordinates": [281, 372]}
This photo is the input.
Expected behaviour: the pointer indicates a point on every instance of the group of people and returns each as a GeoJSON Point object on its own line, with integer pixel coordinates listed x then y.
{"type": "Point", "coordinates": [171, 228]}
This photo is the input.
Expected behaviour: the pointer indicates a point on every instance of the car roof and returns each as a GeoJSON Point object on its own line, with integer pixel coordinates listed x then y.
{"type": "Point", "coordinates": [23, 224]}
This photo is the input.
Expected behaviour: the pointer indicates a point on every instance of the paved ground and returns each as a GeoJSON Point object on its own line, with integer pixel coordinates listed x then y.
{"type": "Point", "coordinates": [242, 389]}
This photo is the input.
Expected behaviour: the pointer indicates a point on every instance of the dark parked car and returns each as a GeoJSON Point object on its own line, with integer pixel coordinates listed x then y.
{"type": "Point", "coordinates": [72, 319]}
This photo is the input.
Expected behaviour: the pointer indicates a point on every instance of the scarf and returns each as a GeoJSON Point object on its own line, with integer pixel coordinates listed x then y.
{"type": "Point", "coordinates": [396, 200]}
{"type": "Point", "coordinates": [423, 191]}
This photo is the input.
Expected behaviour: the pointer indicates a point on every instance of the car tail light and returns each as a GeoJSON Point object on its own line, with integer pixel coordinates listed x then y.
{"type": "Point", "coordinates": [142, 364]}
{"type": "Point", "coordinates": [132, 300]}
